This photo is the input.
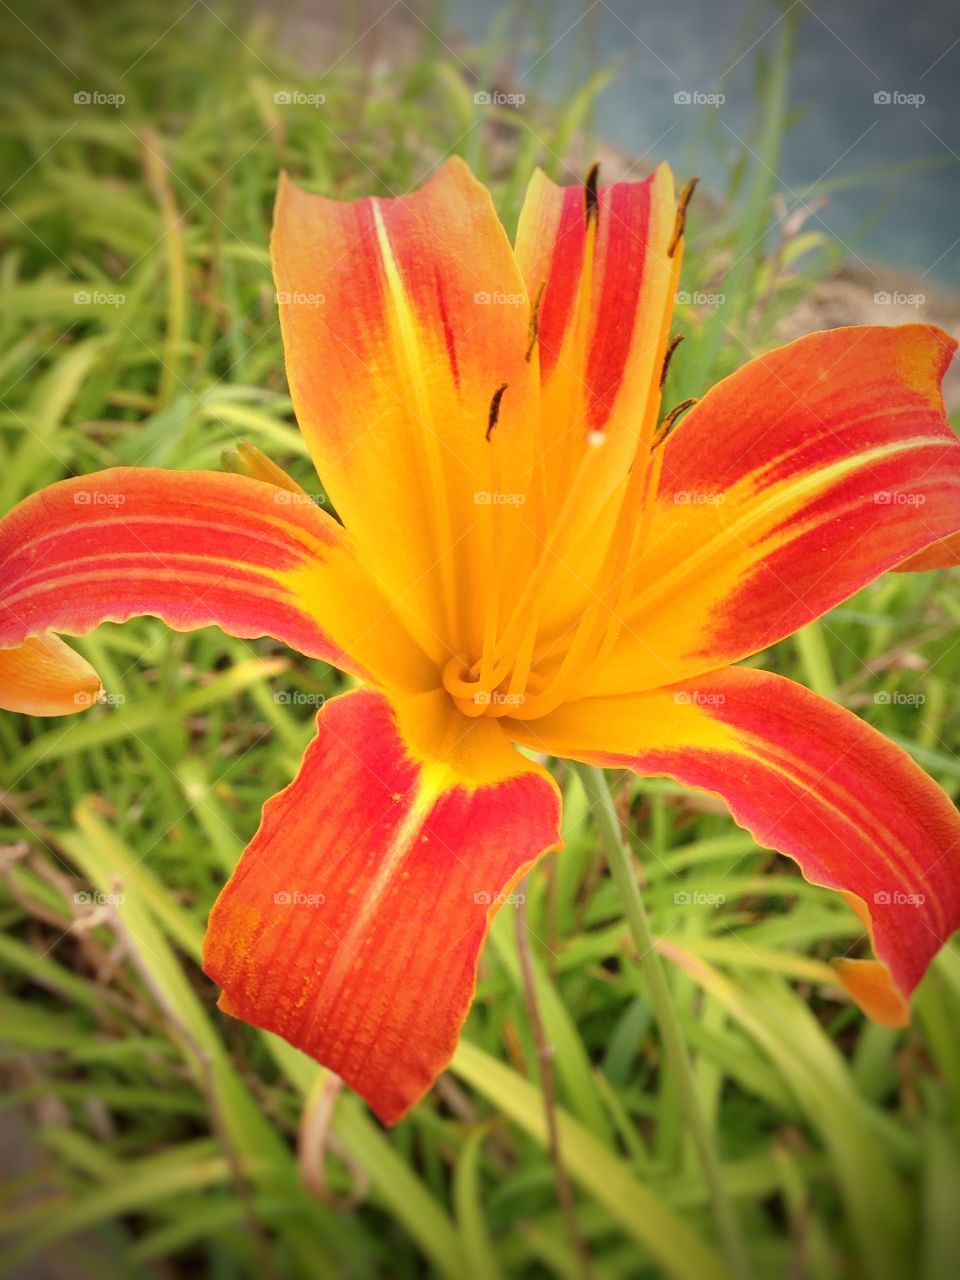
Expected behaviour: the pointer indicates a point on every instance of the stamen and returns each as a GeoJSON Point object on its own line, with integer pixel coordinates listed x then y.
{"type": "Point", "coordinates": [597, 619]}
{"type": "Point", "coordinates": [534, 323]}
{"type": "Point", "coordinates": [494, 414]}
{"type": "Point", "coordinates": [495, 554]}
{"type": "Point", "coordinates": [678, 227]}
{"type": "Point", "coordinates": [674, 343]}
{"type": "Point", "coordinates": [591, 201]}
{"type": "Point", "coordinates": [635, 565]}
{"type": "Point", "coordinates": [666, 425]}
{"type": "Point", "coordinates": [468, 694]}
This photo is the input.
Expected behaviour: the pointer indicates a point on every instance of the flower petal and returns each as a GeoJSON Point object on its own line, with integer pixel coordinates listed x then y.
{"type": "Point", "coordinates": [195, 548]}
{"type": "Point", "coordinates": [631, 289]}
{"type": "Point", "coordinates": [944, 554]}
{"type": "Point", "coordinates": [401, 319]}
{"type": "Point", "coordinates": [810, 779]}
{"type": "Point", "coordinates": [354, 920]}
{"type": "Point", "coordinates": [790, 486]}
{"type": "Point", "coordinates": [45, 677]}
{"type": "Point", "coordinates": [603, 326]}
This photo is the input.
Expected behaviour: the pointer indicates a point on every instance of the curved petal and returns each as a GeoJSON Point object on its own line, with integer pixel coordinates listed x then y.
{"type": "Point", "coordinates": [45, 677]}
{"type": "Point", "coordinates": [401, 319]}
{"type": "Point", "coordinates": [196, 548]}
{"type": "Point", "coordinates": [810, 779]}
{"type": "Point", "coordinates": [353, 923]}
{"type": "Point", "coordinates": [944, 554]}
{"type": "Point", "coordinates": [606, 285]}
{"type": "Point", "coordinates": [618, 293]}
{"type": "Point", "coordinates": [790, 486]}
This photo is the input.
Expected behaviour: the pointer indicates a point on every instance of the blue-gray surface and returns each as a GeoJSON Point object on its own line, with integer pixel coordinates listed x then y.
{"type": "Point", "coordinates": [846, 55]}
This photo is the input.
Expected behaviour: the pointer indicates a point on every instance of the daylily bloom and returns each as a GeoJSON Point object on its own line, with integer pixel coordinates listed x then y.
{"type": "Point", "coordinates": [524, 555]}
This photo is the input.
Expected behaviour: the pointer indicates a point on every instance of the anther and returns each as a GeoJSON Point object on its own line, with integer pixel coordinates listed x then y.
{"type": "Point", "coordinates": [666, 426]}
{"type": "Point", "coordinates": [668, 356]}
{"type": "Point", "coordinates": [686, 194]}
{"type": "Point", "coordinates": [591, 201]}
{"type": "Point", "coordinates": [495, 409]}
{"type": "Point", "coordinates": [535, 322]}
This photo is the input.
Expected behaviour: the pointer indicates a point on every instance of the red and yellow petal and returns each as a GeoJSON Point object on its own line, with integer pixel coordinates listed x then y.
{"type": "Point", "coordinates": [353, 923]}
{"type": "Point", "coordinates": [605, 308]}
{"type": "Point", "coordinates": [195, 548]}
{"type": "Point", "coordinates": [791, 485]}
{"type": "Point", "coordinates": [606, 287]}
{"type": "Point", "coordinates": [807, 778]}
{"type": "Point", "coordinates": [401, 319]}
{"type": "Point", "coordinates": [45, 677]}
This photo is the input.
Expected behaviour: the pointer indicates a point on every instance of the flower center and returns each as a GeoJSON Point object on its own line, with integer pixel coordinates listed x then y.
{"type": "Point", "coordinates": [475, 696]}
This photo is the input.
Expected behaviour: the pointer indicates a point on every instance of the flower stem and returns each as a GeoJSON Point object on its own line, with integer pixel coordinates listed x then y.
{"type": "Point", "coordinates": [620, 862]}
{"type": "Point", "coordinates": [565, 1198]}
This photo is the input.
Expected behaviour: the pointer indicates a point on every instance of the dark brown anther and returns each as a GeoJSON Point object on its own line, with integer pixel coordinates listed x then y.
{"type": "Point", "coordinates": [686, 193]}
{"type": "Point", "coordinates": [495, 409]}
{"type": "Point", "coordinates": [666, 426]}
{"type": "Point", "coordinates": [668, 356]}
{"type": "Point", "coordinates": [591, 201]}
{"type": "Point", "coordinates": [534, 323]}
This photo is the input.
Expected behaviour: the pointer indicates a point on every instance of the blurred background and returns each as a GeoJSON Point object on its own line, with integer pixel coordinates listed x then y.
{"type": "Point", "coordinates": [141, 1133]}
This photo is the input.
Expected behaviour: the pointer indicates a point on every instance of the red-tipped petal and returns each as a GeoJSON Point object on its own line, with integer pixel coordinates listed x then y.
{"type": "Point", "coordinates": [606, 287]}
{"type": "Point", "coordinates": [353, 923]}
{"type": "Point", "coordinates": [810, 779]}
{"type": "Point", "coordinates": [790, 486]}
{"type": "Point", "coordinates": [631, 295]}
{"type": "Point", "coordinates": [402, 318]}
{"type": "Point", "coordinates": [194, 548]}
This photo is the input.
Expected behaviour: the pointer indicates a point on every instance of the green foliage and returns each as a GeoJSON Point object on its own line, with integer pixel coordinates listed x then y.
{"type": "Point", "coordinates": [162, 1129]}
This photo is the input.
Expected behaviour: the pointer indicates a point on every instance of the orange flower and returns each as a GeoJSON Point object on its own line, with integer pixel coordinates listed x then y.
{"type": "Point", "coordinates": [522, 559]}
